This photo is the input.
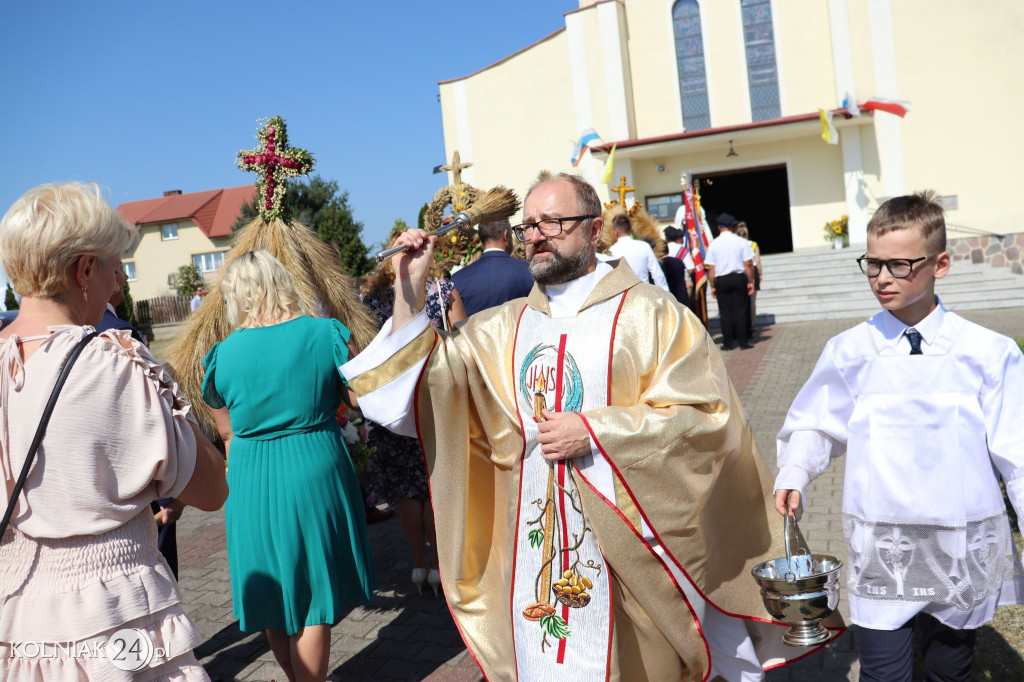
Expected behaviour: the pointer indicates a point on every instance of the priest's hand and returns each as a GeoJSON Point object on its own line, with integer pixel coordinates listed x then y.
{"type": "Point", "coordinates": [563, 435]}
{"type": "Point", "coordinates": [789, 502]}
{"type": "Point", "coordinates": [411, 270]}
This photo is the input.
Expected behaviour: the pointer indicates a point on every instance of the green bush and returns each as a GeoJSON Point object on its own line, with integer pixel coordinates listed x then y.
{"type": "Point", "coordinates": [188, 280]}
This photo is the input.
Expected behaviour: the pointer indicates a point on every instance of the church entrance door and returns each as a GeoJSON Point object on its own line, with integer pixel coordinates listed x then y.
{"type": "Point", "coordinates": [757, 196]}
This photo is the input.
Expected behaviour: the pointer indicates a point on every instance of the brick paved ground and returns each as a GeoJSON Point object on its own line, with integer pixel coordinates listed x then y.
{"type": "Point", "coordinates": [403, 636]}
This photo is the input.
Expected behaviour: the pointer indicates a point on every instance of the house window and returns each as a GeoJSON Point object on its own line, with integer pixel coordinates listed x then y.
{"type": "Point", "coordinates": [762, 70]}
{"type": "Point", "coordinates": [664, 206]}
{"type": "Point", "coordinates": [208, 262]}
{"type": "Point", "coordinates": [129, 271]}
{"type": "Point", "coordinates": [169, 231]}
{"type": "Point", "coordinates": [693, 81]}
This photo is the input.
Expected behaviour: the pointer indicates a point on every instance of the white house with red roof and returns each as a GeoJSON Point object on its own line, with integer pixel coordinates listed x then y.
{"type": "Point", "coordinates": [180, 229]}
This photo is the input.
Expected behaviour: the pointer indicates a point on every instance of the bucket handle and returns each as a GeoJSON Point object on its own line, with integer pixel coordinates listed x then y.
{"type": "Point", "coordinates": [790, 527]}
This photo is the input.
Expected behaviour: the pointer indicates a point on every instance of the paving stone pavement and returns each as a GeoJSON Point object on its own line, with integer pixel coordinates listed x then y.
{"type": "Point", "coordinates": [403, 636]}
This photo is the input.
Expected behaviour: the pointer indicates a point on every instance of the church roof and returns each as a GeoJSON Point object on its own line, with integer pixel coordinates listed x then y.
{"type": "Point", "coordinates": [214, 211]}
{"type": "Point", "coordinates": [785, 120]}
{"type": "Point", "coordinates": [504, 59]}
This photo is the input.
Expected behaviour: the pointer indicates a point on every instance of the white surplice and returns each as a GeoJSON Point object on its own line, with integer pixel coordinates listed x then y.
{"type": "Point", "coordinates": [927, 438]}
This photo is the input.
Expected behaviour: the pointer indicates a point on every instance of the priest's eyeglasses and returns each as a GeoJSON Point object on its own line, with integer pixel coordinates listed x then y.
{"type": "Point", "coordinates": [900, 268]}
{"type": "Point", "coordinates": [549, 227]}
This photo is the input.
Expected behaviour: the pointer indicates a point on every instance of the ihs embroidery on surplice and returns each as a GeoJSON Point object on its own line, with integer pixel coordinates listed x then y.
{"type": "Point", "coordinates": [959, 566]}
{"type": "Point", "coordinates": [558, 510]}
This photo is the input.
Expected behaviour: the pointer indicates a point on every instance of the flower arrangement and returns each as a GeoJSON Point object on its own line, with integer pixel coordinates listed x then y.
{"type": "Point", "coordinates": [274, 162]}
{"type": "Point", "coordinates": [453, 248]}
{"type": "Point", "coordinates": [355, 430]}
{"type": "Point", "coordinates": [836, 229]}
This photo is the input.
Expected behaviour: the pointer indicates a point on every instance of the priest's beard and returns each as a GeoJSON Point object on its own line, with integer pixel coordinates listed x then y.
{"type": "Point", "coordinates": [559, 269]}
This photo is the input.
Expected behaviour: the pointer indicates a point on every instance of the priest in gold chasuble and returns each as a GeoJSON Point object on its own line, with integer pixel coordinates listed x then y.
{"type": "Point", "coordinates": [598, 495]}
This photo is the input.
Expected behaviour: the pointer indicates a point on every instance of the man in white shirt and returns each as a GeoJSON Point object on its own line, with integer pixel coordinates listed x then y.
{"type": "Point", "coordinates": [197, 299]}
{"type": "Point", "coordinates": [730, 265]}
{"type": "Point", "coordinates": [638, 254]}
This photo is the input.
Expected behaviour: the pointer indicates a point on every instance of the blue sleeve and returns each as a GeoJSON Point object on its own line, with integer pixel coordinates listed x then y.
{"type": "Point", "coordinates": [210, 394]}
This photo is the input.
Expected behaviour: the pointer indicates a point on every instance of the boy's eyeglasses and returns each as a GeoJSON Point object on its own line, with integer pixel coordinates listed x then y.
{"type": "Point", "coordinates": [900, 268]}
{"type": "Point", "coordinates": [549, 227]}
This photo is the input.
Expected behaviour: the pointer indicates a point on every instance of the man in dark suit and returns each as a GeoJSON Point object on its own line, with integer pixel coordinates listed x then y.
{"type": "Point", "coordinates": [496, 277]}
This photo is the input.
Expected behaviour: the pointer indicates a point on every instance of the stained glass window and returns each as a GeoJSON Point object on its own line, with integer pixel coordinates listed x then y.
{"type": "Point", "coordinates": [762, 70]}
{"type": "Point", "coordinates": [693, 81]}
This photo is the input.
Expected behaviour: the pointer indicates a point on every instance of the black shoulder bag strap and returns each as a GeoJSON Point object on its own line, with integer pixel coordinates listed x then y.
{"type": "Point", "coordinates": [41, 430]}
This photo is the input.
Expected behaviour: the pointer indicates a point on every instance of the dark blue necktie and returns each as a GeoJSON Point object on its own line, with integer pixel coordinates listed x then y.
{"type": "Point", "coordinates": [914, 337]}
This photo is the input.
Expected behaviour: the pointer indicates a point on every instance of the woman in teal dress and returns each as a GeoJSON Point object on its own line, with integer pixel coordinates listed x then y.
{"type": "Point", "coordinates": [298, 550]}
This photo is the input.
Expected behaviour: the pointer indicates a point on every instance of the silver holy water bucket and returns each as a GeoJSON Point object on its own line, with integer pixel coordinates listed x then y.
{"type": "Point", "coordinates": [800, 589]}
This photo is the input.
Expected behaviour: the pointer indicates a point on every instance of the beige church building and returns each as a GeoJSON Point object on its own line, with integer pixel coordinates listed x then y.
{"type": "Point", "coordinates": [729, 91]}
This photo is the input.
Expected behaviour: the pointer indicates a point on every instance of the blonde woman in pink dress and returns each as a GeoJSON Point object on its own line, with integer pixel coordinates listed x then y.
{"type": "Point", "coordinates": [79, 561]}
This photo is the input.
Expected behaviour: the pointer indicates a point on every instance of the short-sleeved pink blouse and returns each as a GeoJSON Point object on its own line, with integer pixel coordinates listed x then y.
{"type": "Point", "coordinates": [80, 561]}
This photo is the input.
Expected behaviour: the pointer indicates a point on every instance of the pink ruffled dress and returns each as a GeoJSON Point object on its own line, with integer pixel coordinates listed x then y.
{"type": "Point", "coordinates": [79, 561]}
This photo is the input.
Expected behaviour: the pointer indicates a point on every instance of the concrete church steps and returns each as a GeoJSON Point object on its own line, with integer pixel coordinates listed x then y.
{"type": "Point", "coordinates": [823, 284]}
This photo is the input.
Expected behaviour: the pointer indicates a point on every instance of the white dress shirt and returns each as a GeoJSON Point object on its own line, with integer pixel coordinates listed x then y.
{"type": "Point", "coordinates": [641, 258]}
{"type": "Point", "coordinates": [925, 437]}
{"type": "Point", "coordinates": [728, 253]}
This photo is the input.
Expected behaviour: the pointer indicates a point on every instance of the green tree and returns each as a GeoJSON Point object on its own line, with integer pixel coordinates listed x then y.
{"type": "Point", "coordinates": [11, 301]}
{"type": "Point", "coordinates": [187, 280]}
{"type": "Point", "coordinates": [399, 226]}
{"type": "Point", "coordinates": [126, 309]}
{"type": "Point", "coordinates": [420, 220]}
{"type": "Point", "coordinates": [317, 204]}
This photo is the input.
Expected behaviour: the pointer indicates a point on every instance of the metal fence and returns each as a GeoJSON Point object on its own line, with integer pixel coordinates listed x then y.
{"type": "Point", "coordinates": [161, 310]}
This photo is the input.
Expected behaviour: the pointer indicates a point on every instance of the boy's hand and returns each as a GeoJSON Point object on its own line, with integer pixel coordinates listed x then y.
{"type": "Point", "coordinates": [789, 502]}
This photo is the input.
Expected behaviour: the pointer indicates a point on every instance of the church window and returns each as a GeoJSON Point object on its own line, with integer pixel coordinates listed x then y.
{"type": "Point", "coordinates": [762, 69]}
{"type": "Point", "coordinates": [693, 80]}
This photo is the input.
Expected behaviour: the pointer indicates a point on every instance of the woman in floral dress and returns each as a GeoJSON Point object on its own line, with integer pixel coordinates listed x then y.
{"type": "Point", "coordinates": [398, 472]}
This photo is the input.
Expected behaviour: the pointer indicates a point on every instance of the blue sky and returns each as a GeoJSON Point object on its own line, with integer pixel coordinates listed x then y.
{"type": "Point", "coordinates": [143, 97]}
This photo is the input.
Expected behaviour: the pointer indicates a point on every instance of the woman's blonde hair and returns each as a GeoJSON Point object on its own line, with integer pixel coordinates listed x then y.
{"type": "Point", "coordinates": [258, 290]}
{"type": "Point", "coordinates": [49, 227]}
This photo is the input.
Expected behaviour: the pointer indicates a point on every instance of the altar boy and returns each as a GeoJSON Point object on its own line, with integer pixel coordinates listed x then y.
{"type": "Point", "coordinates": [929, 409]}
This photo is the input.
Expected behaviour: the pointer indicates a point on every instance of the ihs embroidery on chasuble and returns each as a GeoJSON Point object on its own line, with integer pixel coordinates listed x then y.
{"type": "Point", "coordinates": [561, 595]}
{"type": "Point", "coordinates": [547, 531]}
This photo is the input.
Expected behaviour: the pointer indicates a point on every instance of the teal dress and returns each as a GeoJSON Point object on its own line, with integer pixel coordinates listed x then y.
{"type": "Point", "coordinates": [298, 550]}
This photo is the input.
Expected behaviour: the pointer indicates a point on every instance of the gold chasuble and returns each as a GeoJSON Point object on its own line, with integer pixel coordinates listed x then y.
{"type": "Point", "coordinates": [631, 563]}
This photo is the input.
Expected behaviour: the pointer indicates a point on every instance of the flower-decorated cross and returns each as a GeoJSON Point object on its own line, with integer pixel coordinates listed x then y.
{"type": "Point", "coordinates": [273, 162]}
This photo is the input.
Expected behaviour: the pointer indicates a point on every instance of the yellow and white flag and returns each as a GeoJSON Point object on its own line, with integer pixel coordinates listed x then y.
{"type": "Point", "coordinates": [828, 131]}
{"type": "Point", "coordinates": [609, 167]}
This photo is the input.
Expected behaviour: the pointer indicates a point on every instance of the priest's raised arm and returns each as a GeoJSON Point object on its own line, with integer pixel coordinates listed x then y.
{"type": "Point", "coordinates": [631, 560]}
